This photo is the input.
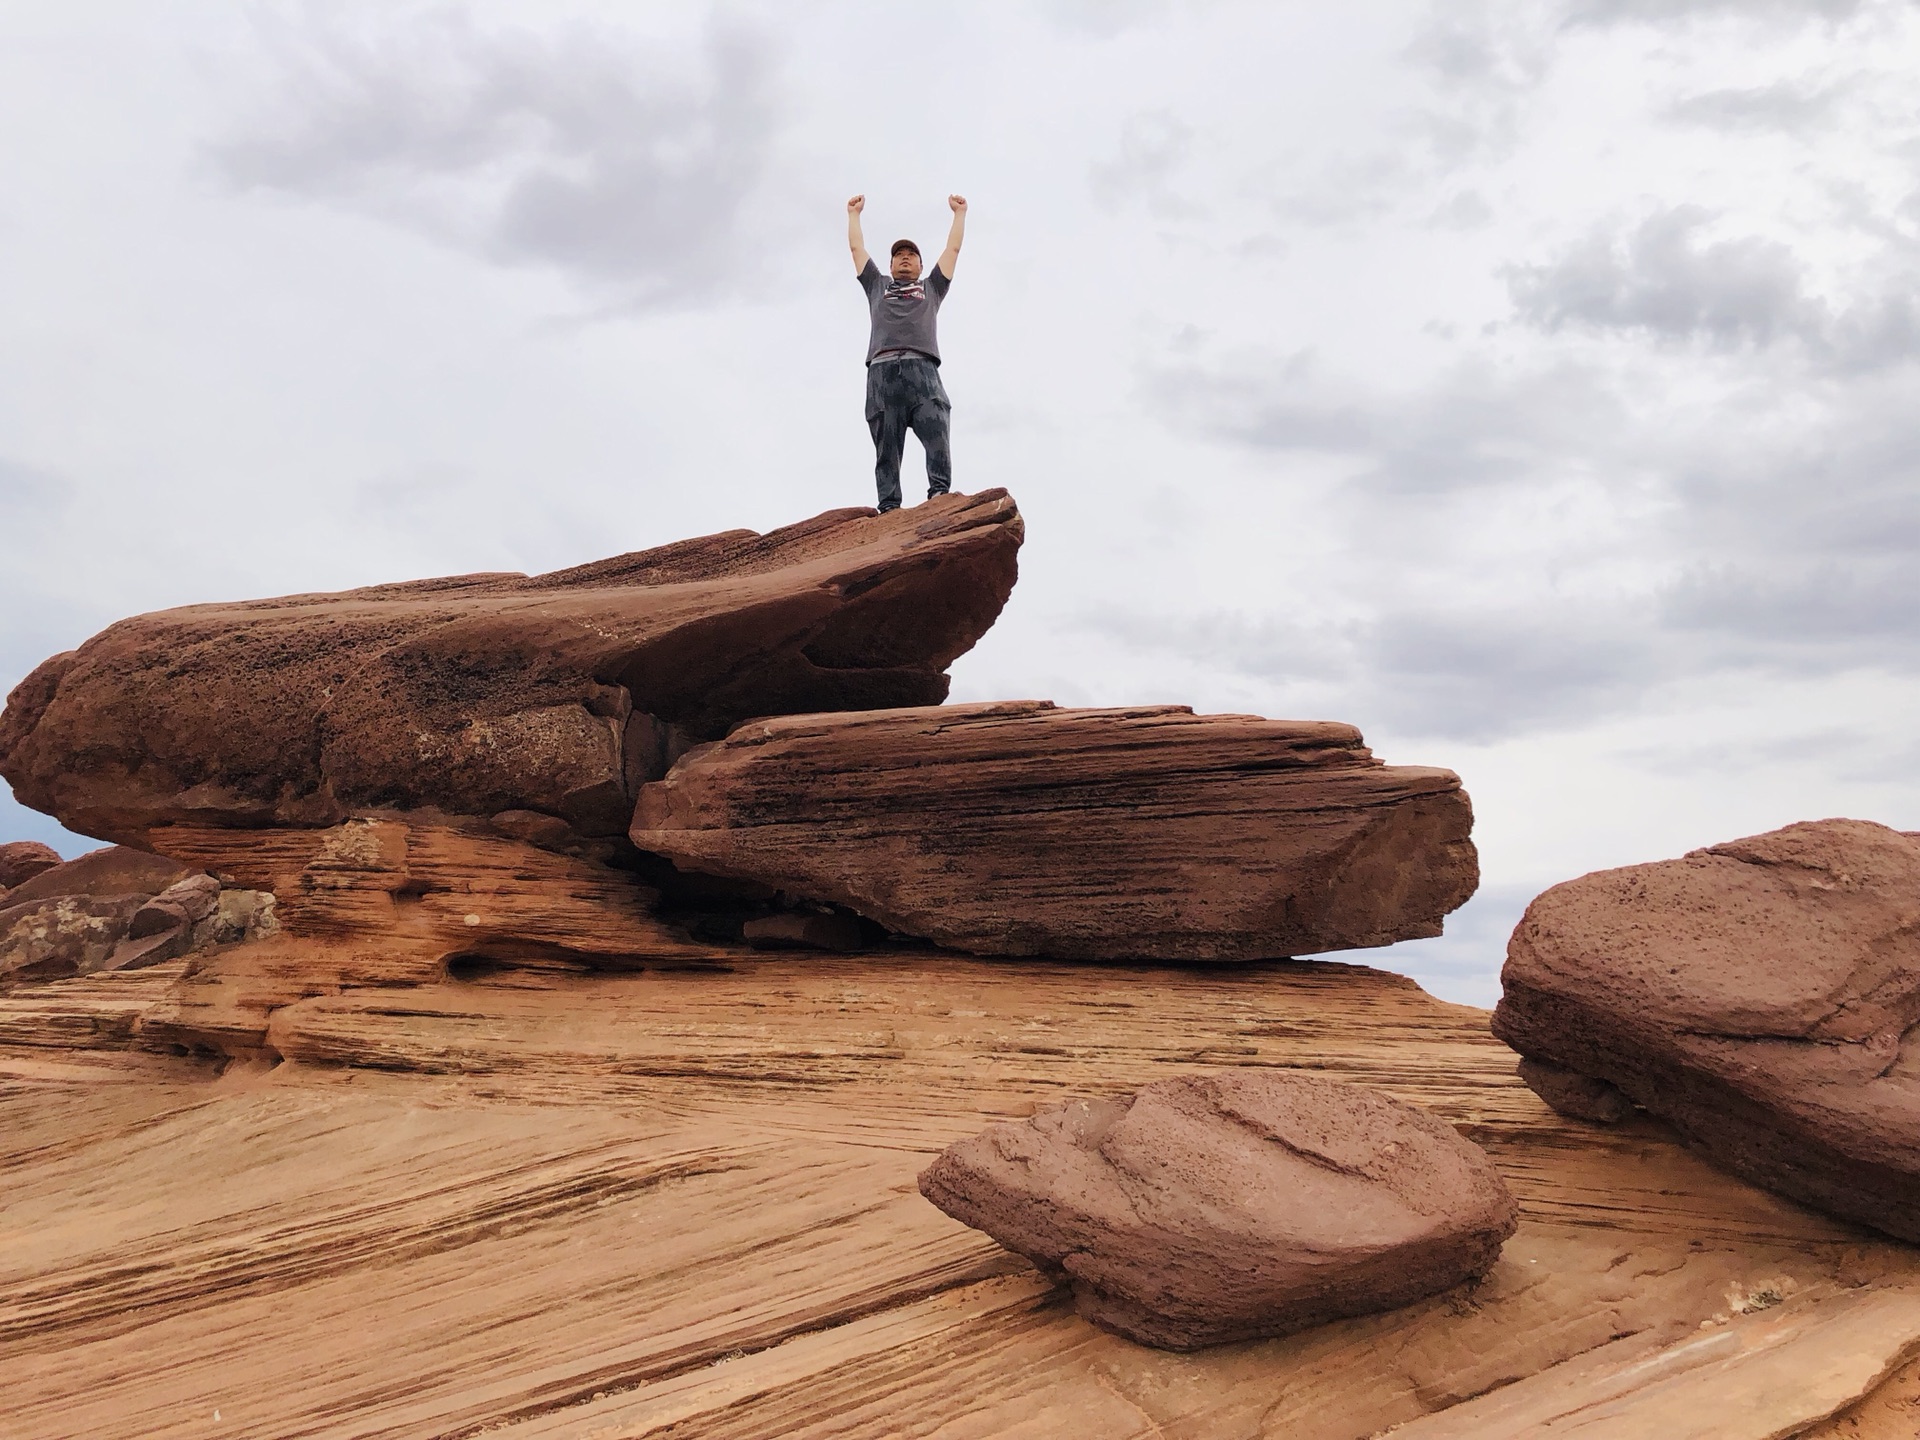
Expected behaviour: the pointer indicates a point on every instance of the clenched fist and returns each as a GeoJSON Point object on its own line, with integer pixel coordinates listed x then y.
{"type": "Point", "coordinates": [957, 204]}
{"type": "Point", "coordinates": [859, 203]}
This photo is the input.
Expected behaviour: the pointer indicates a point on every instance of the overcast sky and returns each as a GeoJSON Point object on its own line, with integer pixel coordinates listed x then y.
{"type": "Point", "coordinates": [1535, 385]}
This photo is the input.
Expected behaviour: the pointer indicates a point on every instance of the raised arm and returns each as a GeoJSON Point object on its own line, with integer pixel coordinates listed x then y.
{"type": "Point", "coordinates": [855, 241]}
{"type": "Point", "coordinates": [957, 204]}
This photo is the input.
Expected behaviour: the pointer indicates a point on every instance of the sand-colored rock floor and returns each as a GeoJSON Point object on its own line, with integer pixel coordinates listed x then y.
{"type": "Point", "coordinates": [682, 1203]}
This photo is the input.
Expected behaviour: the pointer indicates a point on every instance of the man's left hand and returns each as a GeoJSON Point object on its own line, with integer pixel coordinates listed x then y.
{"type": "Point", "coordinates": [957, 204]}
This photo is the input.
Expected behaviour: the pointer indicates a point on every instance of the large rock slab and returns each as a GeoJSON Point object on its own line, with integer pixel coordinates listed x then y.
{"type": "Point", "coordinates": [476, 694]}
{"type": "Point", "coordinates": [1224, 1207]}
{"type": "Point", "coordinates": [112, 870]}
{"type": "Point", "coordinates": [1021, 829]}
{"type": "Point", "coordinates": [1761, 995]}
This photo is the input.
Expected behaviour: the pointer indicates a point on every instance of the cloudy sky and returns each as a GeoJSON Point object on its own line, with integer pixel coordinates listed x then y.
{"type": "Point", "coordinates": [1535, 385]}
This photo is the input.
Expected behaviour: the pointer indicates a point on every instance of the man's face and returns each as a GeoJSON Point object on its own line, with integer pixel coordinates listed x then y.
{"type": "Point", "coordinates": [906, 265]}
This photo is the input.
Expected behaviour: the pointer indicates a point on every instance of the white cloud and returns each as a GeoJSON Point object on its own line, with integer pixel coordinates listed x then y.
{"type": "Point", "coordinates": [620, 165]}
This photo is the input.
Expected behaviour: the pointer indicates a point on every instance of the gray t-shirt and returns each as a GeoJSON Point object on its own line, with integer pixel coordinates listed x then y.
{"type": "Point", "coordinates": [903, 313]}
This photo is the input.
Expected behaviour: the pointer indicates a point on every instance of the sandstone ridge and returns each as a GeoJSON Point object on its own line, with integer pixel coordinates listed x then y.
{"type": "Point", "coordinates": [510, 1128]}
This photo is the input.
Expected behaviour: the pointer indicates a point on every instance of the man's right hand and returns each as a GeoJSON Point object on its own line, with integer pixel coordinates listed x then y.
{"type": "Point", "coordinates": [855, 241]}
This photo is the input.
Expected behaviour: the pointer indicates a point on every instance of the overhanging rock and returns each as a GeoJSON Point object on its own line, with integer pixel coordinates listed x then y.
{"type": "Point", "coordinates": [1021, 829]}
{"type": "Point", "coordinates": [477, 694]}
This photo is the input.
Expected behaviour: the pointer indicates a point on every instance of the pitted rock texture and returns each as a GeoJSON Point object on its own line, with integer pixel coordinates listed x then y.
{"type": "Point", "coordinates": [478, 694]}
{"type": "Point", "coordinates": [21, 860]}
{"type": "Point", "coordinates": [1761, 995]}
{"type": "Point", "coordinates": [1020, 829]}
{"type": "Point", "coordinates": [120, 909]}
{"type": "Point", "coordinates": [66, 935]}
{"type": "Point", "coordinates": [395, 901]}
{"type": "Point", "coordinates": [1224, 1207]}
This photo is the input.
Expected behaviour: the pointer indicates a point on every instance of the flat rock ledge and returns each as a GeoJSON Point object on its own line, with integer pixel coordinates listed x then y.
{"type": "Point", "coordinates": [1760, 995]}
{"type": "Point", "coordinates": [1016, 828]}
{"type": "Point", "coordinates": [1224, 1207]}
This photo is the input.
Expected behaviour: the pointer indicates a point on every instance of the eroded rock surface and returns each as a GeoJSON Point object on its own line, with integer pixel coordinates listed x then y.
{"type": "Point", "coordinates": [557, 694]}
{"type": "Point", "coordinates": [398, 900]}
{"type": "Point", "coordinates": [1761, 995]}
{"type": "Point", "coordinates": [120, 909]}
{"type": "Point", "coordinates": [1223, 1207]}
{"type": "Point", "coordinates": [1021, 829]}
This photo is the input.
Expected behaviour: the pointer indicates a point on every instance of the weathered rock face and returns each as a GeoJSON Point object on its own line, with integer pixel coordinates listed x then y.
{"type": "Point", "coordinates": [393, 901]}
{"type": "Point", "coordinates": [557, 694]}
{"type": "Point", "coordinates": [1761, 995]}
{"type": "Point", "coordinates": [67, 935]}
{"type": "Point", "coordinates": [21, 860]}
{"type": "Point", "coordinates": [1021, 829]}
{"type": "Point", "coordinates": [1224, 1207]}
{"type": "Point", "coordinates": [120, 909]}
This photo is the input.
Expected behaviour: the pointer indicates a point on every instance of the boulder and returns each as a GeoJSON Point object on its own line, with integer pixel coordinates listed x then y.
{"type": "Point", "coordinates": [21, 860]}
{"type": "Point", "coordinates": [1223, 1207]}
{"type": "Point", "coordinates": [1021, 829]}
{"type": "Point", "coordinates": [481, 694]}
{"type": "Point", "coordinates": [1760, 995]}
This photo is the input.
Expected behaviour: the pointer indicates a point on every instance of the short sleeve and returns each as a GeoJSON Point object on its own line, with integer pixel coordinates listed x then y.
{"type": "Point", "coordinates": [870, 280]}
{"type": "Point", "coordinates": [938, 282]}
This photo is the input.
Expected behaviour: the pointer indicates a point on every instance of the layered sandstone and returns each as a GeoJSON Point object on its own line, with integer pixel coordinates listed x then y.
{"type": "Point", "coordinates": [541, 1203]}
{"type": "Point", "coordinates": [1224, 1207]}
{"type": "Point", "coordinates": [558, 694]}
{"type": "Point", "coordinates": [396, 900]}
{"type": "Point", "coordinates": [1021, 829]}
{"type": "Point", "coordinates": [1761, 995]}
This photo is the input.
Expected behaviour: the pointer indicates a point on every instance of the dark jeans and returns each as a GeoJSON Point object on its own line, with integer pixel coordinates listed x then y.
{"type": "Point", "coordinates": [907, 395]}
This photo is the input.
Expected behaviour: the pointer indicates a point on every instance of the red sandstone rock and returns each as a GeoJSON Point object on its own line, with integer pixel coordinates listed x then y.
{"type": "Point", "coordinates": [1021, 829]}
{"type": "Point", "coordinates": [1228, 1206]}
{"type": "Point", "coordinates": [1761, 995]}
{"type": "Point", "coordinates": [479, 694]}
{"type": "Point", "coordinates": [21, 860]}
{"type": "Point", "coordinates": [390, 902]}
{"type": "Point", "coordinates": [114, 870]}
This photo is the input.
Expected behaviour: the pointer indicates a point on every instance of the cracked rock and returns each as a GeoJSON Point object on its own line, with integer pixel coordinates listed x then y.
{"type": "Point", "coordinates": [1761, 995]}
{"type": "Point", "coordinates": [1229, 1206]}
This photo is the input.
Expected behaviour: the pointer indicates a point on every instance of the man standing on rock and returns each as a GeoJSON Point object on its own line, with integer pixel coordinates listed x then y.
{"type": "Point", "coordinates": [903, 357]}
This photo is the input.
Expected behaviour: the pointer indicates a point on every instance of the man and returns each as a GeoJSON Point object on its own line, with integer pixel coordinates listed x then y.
{"type": "Point", "coordinates": [903, 357]}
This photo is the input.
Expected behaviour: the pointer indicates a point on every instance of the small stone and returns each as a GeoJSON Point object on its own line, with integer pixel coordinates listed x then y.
{"type": "Point", "coordinates": [1225, 1207]}
{"type": "Point", "coordinates": [804, 930]}
{"type": "Point", "coordinates": [1570, 1093]}
{"type": "Point", "coordinates": [197, 896]}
